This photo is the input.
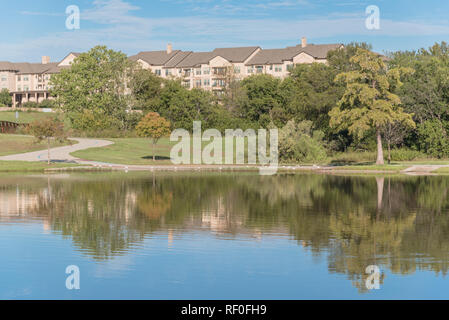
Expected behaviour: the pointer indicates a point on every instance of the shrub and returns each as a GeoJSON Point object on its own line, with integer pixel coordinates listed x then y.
{"type": "Point", "coordinates": [433, 138]}
{"type": "Point", "coordinates": [30, 105]}
{"type": "Point", "coordinates": [406, 155]}
{"type": "Point", "coordinates": [47, 104]}
{"type": "Point", "coordinates": [299, 143]}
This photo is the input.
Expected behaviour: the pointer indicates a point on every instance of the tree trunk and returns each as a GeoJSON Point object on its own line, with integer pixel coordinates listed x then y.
{"type": "Point", "coordinates": [389, 152]}
{"type": "Point", "coordinates": [48, 145]}
{"type": "Point", "coordinates": [154, 154]}
{"type": "Point", "coordinates": [380, 192]}
{"type": "Point", "coordinates": [380, 152]}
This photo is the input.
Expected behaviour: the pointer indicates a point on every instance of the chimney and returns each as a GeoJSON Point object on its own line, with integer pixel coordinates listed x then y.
{"type": "Point", "coordinates": [45, 60]}
{"type": "Point", "coordinates": [304, 42]}
{"type": "Point", "coordinates": [169, 48]}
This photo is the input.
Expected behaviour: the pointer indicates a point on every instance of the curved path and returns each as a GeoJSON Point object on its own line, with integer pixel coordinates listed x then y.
{"type": "Point", "coordinates": [60, 154]}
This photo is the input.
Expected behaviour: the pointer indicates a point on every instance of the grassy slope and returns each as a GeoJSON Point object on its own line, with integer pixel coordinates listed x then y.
{"type": "Point", "coordinates": [14, 144]}
{"type": "Point", "coordinates": [24, 117]}
{"type": "Point", "coordinates": [138, 151]}
{"type": "Point", "coordinates": [129, 151]}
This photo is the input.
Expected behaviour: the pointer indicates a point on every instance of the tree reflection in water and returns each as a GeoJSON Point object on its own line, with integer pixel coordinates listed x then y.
{"type": "Point", "coordinates": [399, 223]}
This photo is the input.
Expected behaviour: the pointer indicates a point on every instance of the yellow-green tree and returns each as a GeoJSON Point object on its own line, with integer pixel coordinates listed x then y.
{"type": "Point", "coordinates": [155, 127]}
{"type": "Point", "coordinates": [369, 102]}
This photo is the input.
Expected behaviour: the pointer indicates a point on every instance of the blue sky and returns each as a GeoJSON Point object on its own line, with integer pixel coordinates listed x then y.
{"type": "Point", "coordinates": [30, 29]}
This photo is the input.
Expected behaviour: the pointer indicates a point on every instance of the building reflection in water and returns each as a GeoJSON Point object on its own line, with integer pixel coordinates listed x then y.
{"type": "Point", "coordinates": [400, 223]}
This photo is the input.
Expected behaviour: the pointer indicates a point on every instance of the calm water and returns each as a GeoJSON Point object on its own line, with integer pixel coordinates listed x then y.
{"type": "Point", "coordinates": [223, 236]}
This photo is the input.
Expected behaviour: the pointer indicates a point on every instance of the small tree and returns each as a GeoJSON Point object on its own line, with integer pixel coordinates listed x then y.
{"type": "Point", "coordinates": [5, 98]}
{"type": "Point", "coordinates": [153, 126]}
{"type": "Point", "coordinates": [47, 129]}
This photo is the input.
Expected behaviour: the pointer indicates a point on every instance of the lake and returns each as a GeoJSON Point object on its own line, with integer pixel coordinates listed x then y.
{"type": "Point", "coordinates": [224, 236]}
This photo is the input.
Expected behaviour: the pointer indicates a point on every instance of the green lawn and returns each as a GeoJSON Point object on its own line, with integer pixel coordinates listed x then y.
{"type": "Point", "coordinates": [133, 151]}
{"type": "Point", "coordinates": [129, 151]}
{"type": "Point", "coordinates": [22, 166]}
{"type": "Point", "coordinates": [24, 117]}
{"type": "Point", "coordinates": [14, 144]}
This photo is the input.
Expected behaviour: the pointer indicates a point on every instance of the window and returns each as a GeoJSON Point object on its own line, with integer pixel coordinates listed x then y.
{"type": "Point", "coordinates": [259, 69]}
{"type": "Point", "coordinates": [19, 78]}
{"type": "Point", "coordinates": [4, 79]}
{"type": "Point", "coordinates": [237, 70]}
{"type": "Point", "coordinates": [167, 72]}
{"type": "Point", "coordinates": [250, 70]}
{"type": "Point", "coordinates": [271, 67]}
{"type": "Point", "coordinates": [289, 67]}
{"type": "Point", "coordinates": [197, 83]}
{"type": "Point", "coordinates": [206, 71]}
{"type": "Point", "coordinates": [19, 88]}
{"type": "Point", "coordinates": [26, 88]}
{"type": "Point", "coordinates": [278, 69]}
{"type": "Point", "coordinates": [206, 82]}
{"type": "Point", "coordinates": [198, 72]}
{"type": "Point", "coordinates": [25, 78]}
{"type": "Point", "coordinates": [158, 72]}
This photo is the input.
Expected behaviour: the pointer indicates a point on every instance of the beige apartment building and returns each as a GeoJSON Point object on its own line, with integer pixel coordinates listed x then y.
{"type": "Point", "coordinates": [214, 70]}
{"type": "Point", "coordinates": [29, 82]}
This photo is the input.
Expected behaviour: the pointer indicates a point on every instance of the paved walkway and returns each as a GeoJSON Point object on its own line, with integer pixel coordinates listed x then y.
{"type": "Point", "coordinates": [423, 169]}
{"type": "Point", "coordinates": [60, 154]}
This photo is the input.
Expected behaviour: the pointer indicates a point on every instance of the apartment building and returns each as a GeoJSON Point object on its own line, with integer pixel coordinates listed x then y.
{"type": "Point", "coordinates": [215, 69]}
{"type": "Point", "coordinates": [29, 82]}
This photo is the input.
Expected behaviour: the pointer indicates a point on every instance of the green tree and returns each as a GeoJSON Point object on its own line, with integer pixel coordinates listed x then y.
{"type": "Point", "coordinates": [92, 93]}
{"type": "Point", "coordinates": [313, 93]}
{"type": "Point", "coordinates": [47, 129]}
{"type": "Point", "coordinates": [5, 98]}
{"type": "Point", "coordinates": [146, 88]}
{"type": "Point", "coordinates": [261, 99]}
{"type": "Point", "coordinates": [155, 127]}
{"type": "Point", "coordinates": [368, 102]}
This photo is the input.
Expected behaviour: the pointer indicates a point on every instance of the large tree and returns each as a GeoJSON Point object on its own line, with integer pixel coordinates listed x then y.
{"type": "Point", "coordinates": [369, 102]}
{"type": "Point", "coordinates": [92, 92]}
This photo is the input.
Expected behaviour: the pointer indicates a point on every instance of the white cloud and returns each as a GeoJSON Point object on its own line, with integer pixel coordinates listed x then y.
{"type": "Point", "coordinates": [119, 28]}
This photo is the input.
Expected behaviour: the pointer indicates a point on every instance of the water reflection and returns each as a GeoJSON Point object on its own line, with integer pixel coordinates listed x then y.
{"type": "Point", "coordinates": [399, 223]}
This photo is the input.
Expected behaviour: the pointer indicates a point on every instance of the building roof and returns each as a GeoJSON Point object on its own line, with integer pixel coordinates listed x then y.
{"type": "Point", "coordinates": [196, 59]}
{"type": "Point", "coordinates": [7, 66]}
{"type": "Point", "coordinates": [173, 62]}
{"type": "Point", "coordinates": [240, 54]}
{"type": "Point", "coordinates": [27, 68]}
{"type": "Point", "coordinates": [278, 56]}
{"type": "Point", "coordinates": [155, 58]}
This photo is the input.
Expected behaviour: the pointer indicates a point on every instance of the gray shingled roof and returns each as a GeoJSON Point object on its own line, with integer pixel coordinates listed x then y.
{"type": "Point", "coordinates": [7, 66]}
{"type": "Point", "coordinates": [278, 56]}
{"type": "Point", "coordinates": [155, 58]}
{"type": "Point", "coordinates": [196, 59]}
{"type": "Point", "coordinates": [173, 62]}
{"type": "Point", "coordinates": [27, 68]}
{"type": "Point", "coordinates": [235, 54]}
